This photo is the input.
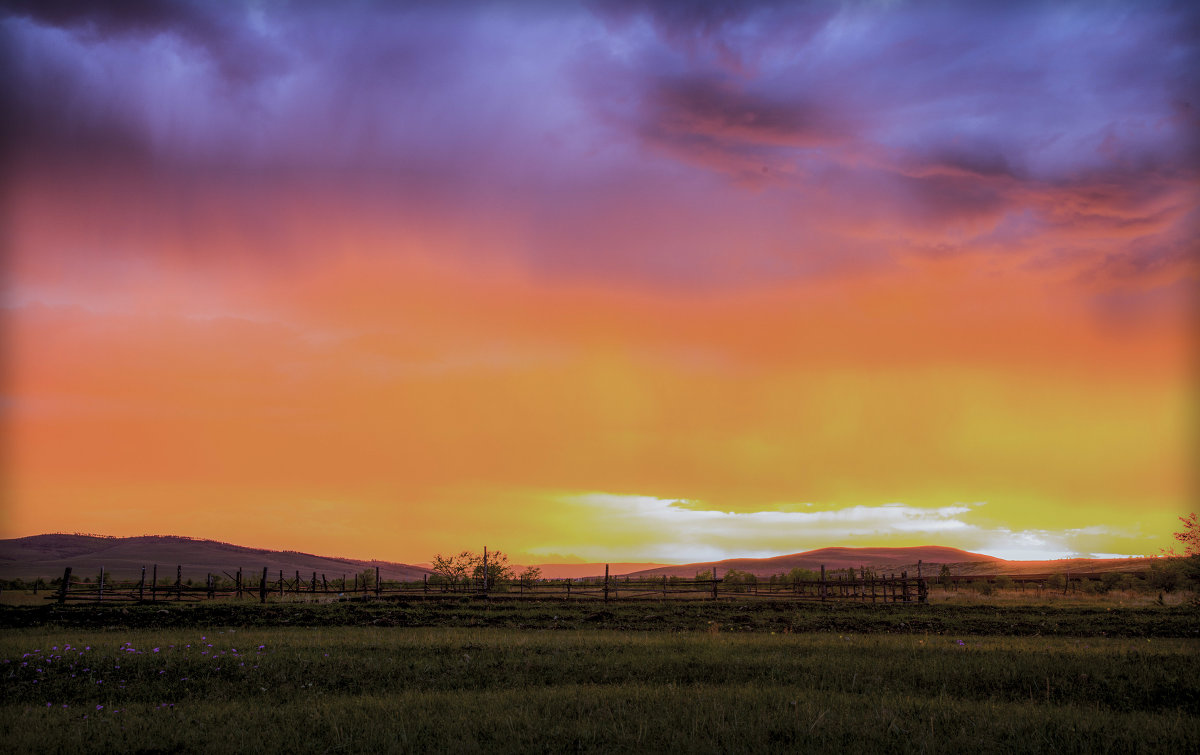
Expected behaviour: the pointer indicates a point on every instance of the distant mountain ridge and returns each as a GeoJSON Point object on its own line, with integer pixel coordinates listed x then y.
{"type": "Point", "coordinates": [124, 557]}
{"type": "Point", "coordinates": [898, 559]}
{"type": "Point", "coordinates": [928, 558]}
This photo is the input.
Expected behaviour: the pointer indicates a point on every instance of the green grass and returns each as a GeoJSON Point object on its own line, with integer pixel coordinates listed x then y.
{"type": "Point", "coordinates": [366, 689]}
{"type": "Point", "coordinates": [1059, 619]}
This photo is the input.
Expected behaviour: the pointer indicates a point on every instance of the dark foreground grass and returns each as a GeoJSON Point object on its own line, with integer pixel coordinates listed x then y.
{"type": "Point", "coordinates": [647, 615]}
{"type": "Point", "coordinates": [369, 689]}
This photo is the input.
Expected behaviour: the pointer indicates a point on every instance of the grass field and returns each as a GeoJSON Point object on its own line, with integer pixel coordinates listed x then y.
{"type": "Point", "coordinates": [363, 689]}
{"type": "Point", "coordinates": [1060, 618]}
{"type": "Point", "coordinates": [473, 675]}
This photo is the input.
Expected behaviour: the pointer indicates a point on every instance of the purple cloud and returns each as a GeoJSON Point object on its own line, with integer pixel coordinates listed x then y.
{"type": "Point", "coordinates": [939, 126]}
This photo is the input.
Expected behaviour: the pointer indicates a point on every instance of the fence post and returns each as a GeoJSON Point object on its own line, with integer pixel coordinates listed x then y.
{"type": "Point", "coordinates": [262, 587]}
{"type": "Point", "coordinates": [100, 586]}
{"type": "Point", "coordinates": [904, 585]}
{"type": "Point", "coordinates": [324, 584]}
{"type": "Point", "coordinates": [154, 585]}
{"type": "Point", "coordinates": [664, 587]}
{"type": "Point", "coordinates": [239, 583]}
{"type": "Point", "coordinates": [314, 583]}
{"type": "Point", "coordinates": [211, 587]}
{"type": "Point", "coordinates": [606, 583]}
{"type": "Point", "coordinates": [485, 571]}
{"type": "Point", "coordinates": [142, 585]}
{"type": "Point", "coordinates": [66, 585]}
{"type": "Point", "coordinates": [425, 588]}
{"type": "Point", "coordinates": [715, 581]}
{"type": "Point", "coordinates": [822, 581]}
{"type": "Point", "coordinates": [178, 581]}
{"type": "Point", "coordinates": [378, 583]}
{"type": "Point", "coordinates": [281, 583]}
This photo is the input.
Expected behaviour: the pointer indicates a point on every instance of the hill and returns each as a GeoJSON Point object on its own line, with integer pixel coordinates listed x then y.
{"type": "Point", "coordinates": [897, 560]}
{"type": "Point", "coordinates": [124, 557]}
{"type": "Point", "coordinates": [594, 569]}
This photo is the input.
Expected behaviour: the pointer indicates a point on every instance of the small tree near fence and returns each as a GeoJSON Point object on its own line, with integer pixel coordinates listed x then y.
{"type": "Point", "coordinates": [530, 575]}
{"type": "Point", "coordinates": [739, 581]}
{"type": "Point", "coordinates": [497, 568]}
{"type": "Point", "coordinates": [462, 568]}
{"type": "Point", "coordinates": [453, 569]}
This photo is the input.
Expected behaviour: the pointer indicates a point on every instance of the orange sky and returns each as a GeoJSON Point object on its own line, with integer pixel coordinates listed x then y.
{"type": "Point", "coordinates": [654, 357]}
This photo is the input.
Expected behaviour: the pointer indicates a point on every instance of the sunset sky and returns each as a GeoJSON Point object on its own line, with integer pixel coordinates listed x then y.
{"type": "Point", "coordinates": [605, 280]}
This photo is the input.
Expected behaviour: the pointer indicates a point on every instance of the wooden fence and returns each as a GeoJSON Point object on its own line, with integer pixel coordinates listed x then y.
{"type": "Point", "coordinates": [863, 586]}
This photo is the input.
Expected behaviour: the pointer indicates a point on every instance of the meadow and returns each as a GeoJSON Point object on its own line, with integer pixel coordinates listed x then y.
{"type": "Point", "coordinates": [552, 676]}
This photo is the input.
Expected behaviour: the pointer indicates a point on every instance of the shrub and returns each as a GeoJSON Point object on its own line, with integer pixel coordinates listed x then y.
{"type": "Point", "coordinates": [1168, 574]}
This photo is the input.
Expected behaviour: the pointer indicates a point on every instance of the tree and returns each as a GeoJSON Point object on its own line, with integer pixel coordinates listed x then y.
{"type": "Point", "coordinates": [944, 576]}
{"type": "Point", "coordinates": [453, 568]}
{"type": "Point", "coordinates": [463, 567]}
{"type": "Point", "coordinates": [1167, 574]}
{"type": "Point", "coordinates": [739, 581]}
{"type": "Point", "coordinates": [497, 568]}
{"type": "Point", "coordinates": [1189, 536]}
{"type": "Point", "coordinates": [801, 575]}
{"type": "Point", "coordinates": [1110, 580]}
{"type": "Point", "coordinates": [530, 575]}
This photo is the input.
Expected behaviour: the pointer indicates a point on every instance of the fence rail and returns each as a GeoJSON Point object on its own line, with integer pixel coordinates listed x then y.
{"type": "Point", "coordinates": [864, 587]}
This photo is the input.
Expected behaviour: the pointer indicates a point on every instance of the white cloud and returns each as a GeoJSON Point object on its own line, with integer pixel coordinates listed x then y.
{"type": "Point", "coordinates": [677, 530]}
{"type": "Point", "coordinates": [680, 530]}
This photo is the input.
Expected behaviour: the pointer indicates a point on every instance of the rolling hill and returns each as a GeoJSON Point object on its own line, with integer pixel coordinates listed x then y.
{"type": "Point", "coordinates": [896, 560]}
{"type": "Point", "coordinates": [124, 557]}
{"type": "Point", "coordinates": [891, 559]}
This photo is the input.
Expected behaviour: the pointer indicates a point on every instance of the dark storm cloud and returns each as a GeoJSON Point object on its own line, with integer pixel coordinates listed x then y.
{"type": "Point", "coordinates": [713, 120]}
{"type": "Point", "coordinates": [125, 17]}
{"type": "Point", "coordinates": [955, 124]}
{"type": "Point", "coordinates": [218, 30]}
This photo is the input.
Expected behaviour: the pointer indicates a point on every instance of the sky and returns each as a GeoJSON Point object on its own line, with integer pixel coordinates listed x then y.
{"type": "Point", "coordinates": [602, 281]}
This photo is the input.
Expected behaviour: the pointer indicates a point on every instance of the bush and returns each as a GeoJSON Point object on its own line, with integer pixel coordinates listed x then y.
{"type": "Point", "coordinates": [1169, 574]}
{"type": "Point", "coordinates": [1110, 581]}
{"type": "Point", "coordinates": [739, 581]}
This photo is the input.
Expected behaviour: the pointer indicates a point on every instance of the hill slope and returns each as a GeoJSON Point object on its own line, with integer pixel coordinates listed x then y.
{"type": "Point", "coordinates": [885, 559]}
{"type": "Point", "coordinates": [124, 557]}
{"type": "Point", "coordinates": [896, 560]}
